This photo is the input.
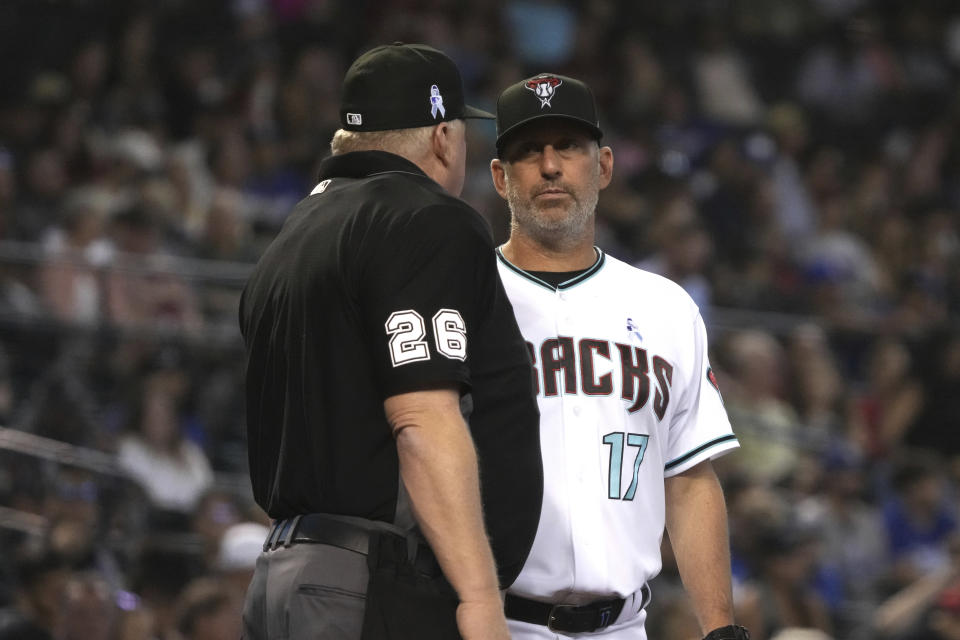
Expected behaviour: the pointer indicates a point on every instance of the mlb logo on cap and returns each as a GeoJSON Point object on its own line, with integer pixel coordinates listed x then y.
{"type": "Point", "coordinates": [403, 86]}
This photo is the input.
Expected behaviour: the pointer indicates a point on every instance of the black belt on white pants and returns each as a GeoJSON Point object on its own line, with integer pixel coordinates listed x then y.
{"type": "Point", "coordinates": [569, 618]}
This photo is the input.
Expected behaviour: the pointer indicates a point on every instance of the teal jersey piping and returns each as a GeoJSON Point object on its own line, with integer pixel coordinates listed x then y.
{"type": "Point", "coordinates": [572, 282]}
{"type": "Point", "coordinates": [721, 440]}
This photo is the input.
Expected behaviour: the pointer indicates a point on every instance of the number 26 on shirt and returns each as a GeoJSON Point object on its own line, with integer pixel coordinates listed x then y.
{"type": "Point", "coordinates": [407, 330]}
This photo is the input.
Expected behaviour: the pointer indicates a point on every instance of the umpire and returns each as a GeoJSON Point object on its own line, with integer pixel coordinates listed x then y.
{"type": "Point", "coordinates": [377, 330]}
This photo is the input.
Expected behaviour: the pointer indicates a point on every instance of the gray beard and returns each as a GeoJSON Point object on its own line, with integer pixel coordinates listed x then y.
{"type": "Point", "coordinates": [555, 232]}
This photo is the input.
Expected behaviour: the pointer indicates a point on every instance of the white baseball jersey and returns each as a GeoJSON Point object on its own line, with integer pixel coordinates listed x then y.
{"type": "Point", "coordinates": [627, 398]}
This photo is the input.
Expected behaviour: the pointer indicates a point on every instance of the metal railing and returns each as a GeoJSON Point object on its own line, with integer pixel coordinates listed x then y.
{"type": "Point", "coordinates": [233, 275]}
{"type": "Point", "coordinates": [93, 460]}
{"type": "Point", "coordinates": [215, 272]}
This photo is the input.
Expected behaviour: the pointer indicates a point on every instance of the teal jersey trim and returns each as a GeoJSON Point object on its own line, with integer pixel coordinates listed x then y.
{"type": "Point", "coordinates": [722, 439]}
{"type": "Point", "coordinates": [572, 282]}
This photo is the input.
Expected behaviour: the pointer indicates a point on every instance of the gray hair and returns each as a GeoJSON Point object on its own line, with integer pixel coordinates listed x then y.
{"type": "Point", "coordinates": [410, 143]}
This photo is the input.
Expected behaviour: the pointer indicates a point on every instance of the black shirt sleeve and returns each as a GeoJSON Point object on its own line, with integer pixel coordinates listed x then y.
{"type": "Point", "coordinates": [422, 297]}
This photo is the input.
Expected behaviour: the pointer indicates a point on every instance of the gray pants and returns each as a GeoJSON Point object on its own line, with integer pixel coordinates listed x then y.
{"type": "Point", "coordinates": [306, 592]}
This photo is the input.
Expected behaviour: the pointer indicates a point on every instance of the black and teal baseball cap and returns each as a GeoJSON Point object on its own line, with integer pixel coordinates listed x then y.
{"type": "Point", "coordinates": [546, 95]}
{"type": "Point", "coordinates": [403, 86]}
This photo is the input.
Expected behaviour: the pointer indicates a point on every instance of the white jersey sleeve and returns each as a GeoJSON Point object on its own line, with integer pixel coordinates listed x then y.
{"type": "Point", "coordinates": [700, 429]}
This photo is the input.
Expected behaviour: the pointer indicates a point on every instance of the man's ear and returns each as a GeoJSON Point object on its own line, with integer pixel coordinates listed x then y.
{"type": "Point", "coordinates": [605, 158]}
{"type": "Point", "coordinates": [498, 173]}
{"type": "Point", "coordinates": [440, 144]}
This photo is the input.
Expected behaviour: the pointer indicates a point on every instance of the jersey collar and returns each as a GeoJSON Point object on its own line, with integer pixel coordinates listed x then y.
{"type": "Point", "coordinates": [572, 282]}
{"type": "Point", "coordinates": [363, 164]}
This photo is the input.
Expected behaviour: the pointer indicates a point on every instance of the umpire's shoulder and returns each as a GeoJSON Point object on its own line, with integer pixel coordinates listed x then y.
{"type": "Point", "coordinates": [451, 218]}
{"type": "Point", "coordinates": [422, 201]}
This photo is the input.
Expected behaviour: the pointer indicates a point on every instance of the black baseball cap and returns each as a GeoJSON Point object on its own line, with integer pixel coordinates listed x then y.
{"type": "Point", "coordinates": [546, 95]}
{"type": "Point", "coordinates": [403, 86]}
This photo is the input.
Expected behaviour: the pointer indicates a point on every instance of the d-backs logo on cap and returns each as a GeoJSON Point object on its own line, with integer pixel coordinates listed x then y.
{"type": "Point", "coordinates": [544, 87]}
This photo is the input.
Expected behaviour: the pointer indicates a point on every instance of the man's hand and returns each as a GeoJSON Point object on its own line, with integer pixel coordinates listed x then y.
{"type": "Point", "coordinates": [482, 618]}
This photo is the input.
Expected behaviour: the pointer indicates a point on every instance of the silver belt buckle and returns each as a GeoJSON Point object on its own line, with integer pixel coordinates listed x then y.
{"type": "Point", "coordinates": [554, 618]}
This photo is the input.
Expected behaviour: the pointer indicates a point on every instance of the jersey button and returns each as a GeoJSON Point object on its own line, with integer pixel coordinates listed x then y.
{"type": "Point", "coordinates": [576, 411]}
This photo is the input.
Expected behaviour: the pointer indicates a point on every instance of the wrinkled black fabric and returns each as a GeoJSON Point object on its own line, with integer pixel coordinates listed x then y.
{"type": "Point", "coordinates": [405, 602]}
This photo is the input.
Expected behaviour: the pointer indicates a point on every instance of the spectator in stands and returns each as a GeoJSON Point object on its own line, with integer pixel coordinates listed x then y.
{"type": "Point", "coordinates": [308, 107]}
{"type": "Point", "coordinates": [208, 610]}
{"type": "Point", "coordinates": [726, 206]}
{"type": "Point", "coordinates": [782, 594]}
{"type": "Point", "coordinates": [225, 231]}
{"type": "Point", "coordinates": [884, 411]}
{"type": "Point", "coordinates": [943, 619]}
{"type": "Point", "coordinates": [73, 506]}
{"type": "Point", "coordinates": [766, 425]}
{"type": "Point", "coordinates": [18, 299]}
{"type": "Point", "coordinates": [173, 470]}
{"type": "Point", "coordinates": [845, 278]}
{"type": "Point", "coordinates": [62, 403]}
{"type": "Point", "coordinates": [927, 608]}
{"type": "Point", "coordinates": [143, 288]}
{"type": "Point", "coordinates": [795, 210]}
{"type": "Point", "coordinates": [164, 568]}
{"type": "Point", "coordinates": [748, 503]}
{"type": "Point", "coordinates": [226, 237]}
{"type": "Point", "coordinates": [818, 389]}
{"type": "Point", "coordinates": [924, 299]}
{"type": "Point", "coordinates": [643, 78]}
{"type": "Point", "coordinates": [853, 543]}
{"type": "Point", "coordinates": [846, 76]}
{"type": "Point", "coordinates": [272, 187]}
{"type": "Point", "coordinates": [684, 249]}
{"type": "Point", "coordinates": [41, 579]}
{"type": "Point", "coordinates": [722, 77]}
{"type": "Point", "coordinates": [193, 185]}
{"type": "Point", "coordinates": [936, 428]}
{"type": "Point", "coordinates": [71, 278]}
{"type": "Point", "coordinates": [918, 519]}
{"type": "Point", "coordinates": [232, 159]}
{"type": "Point", "coordinates": [89, 609]}
{"type": "Point", "coordinates": [45, 180]}
{"type": "Point", "coordinates": [213, 515]}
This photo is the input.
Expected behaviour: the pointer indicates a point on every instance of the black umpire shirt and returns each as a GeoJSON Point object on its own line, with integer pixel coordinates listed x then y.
{"type": "Point", "coordinates": [381, 283]}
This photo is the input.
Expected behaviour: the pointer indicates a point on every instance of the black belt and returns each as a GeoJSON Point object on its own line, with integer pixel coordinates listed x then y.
{"type": "Point", "coordinates": [319, 528]}
{"type": "Point", "coordinates": [566, 617]}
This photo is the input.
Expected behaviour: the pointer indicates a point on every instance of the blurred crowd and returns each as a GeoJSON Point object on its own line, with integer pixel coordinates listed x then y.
{"type": "Point", "coordinates": [793, 164]}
